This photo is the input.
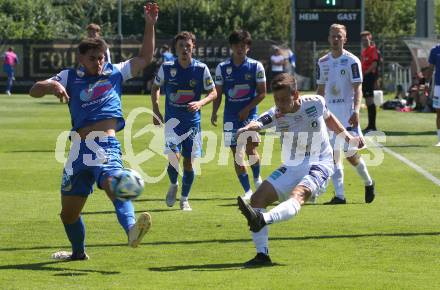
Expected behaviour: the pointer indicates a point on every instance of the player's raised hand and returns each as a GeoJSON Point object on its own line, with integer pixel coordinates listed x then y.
{"type": "Point", "coordinates": [60, 92]}
{"type": "Point", "coordinates": [194, 106]}
{"type": "Point", "coordinates": [151, 12]}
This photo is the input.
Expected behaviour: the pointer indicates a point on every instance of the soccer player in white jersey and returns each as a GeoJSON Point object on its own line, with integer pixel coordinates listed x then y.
{"type": "Point", "coordinates": [308, 161]}
{"type": "Point", "coordinates": [339, 79]}
{"type": "Point", "coordinates": [243, 81]}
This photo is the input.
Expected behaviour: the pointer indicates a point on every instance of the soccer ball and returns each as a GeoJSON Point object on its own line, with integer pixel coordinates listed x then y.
{"type": "Point", "coordinates": [127, 185]}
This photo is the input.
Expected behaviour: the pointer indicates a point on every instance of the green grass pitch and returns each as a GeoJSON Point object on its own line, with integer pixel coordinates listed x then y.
{"type": "Point", "coordinates": [393, 243]}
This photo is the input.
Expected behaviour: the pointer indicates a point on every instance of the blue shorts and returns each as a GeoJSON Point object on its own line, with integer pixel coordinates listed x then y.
{"type": "Point", "coordinates": [184, 140]}
{"type": "Point", "coordinates": [230, 127]}
{"type": "Point", "coordinates": [9, 70]}
{"type": "Point", "coordinates": [86, 166]}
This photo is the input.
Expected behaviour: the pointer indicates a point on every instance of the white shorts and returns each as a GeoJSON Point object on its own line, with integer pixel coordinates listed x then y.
{"type": "Point", "coordinates": [436, 98]}
{"type": "Point", "coordinates": [313, 176]}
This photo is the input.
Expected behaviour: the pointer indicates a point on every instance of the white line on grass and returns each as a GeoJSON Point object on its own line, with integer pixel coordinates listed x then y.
{"type": "Point", "coordinates": [417, 168]}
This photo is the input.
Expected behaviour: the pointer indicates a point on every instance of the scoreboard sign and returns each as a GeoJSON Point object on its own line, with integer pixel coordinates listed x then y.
{"type": "Point", "coordinates": [314, 17]}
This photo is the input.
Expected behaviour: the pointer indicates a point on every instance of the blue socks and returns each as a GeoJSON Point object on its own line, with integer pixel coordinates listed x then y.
{"type": "Point", "coordinates": [172, 174]}
{"type": "Point", "coordinates": [256, 170]}
{"type": "Point", "coordinates": [187, 181]}
{"type": "Point", "coordinates": [76, 233]}
{"type": "Point", "coordinates": [125, 213]}
{"type": "Point", "coordinates": [244, 180]}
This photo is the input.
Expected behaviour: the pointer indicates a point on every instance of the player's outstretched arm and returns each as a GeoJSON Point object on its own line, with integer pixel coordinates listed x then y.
{"type": "Point", "coordinates": [42, 88]}
{"type": "Point", "coordinates": [335, 125]}
{"type": "Point", "coordinates": [151, 12]}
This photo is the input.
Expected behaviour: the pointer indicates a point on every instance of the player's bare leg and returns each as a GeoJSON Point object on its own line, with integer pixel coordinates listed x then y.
{"type": "Point", "coordinates": [71, 207]}
{"type": "Point", "coordinates": [240, 170]}
{"type": "Point", "coordinates": [438, 126]}
{"type": "Point", "coordinates": [252, 154]}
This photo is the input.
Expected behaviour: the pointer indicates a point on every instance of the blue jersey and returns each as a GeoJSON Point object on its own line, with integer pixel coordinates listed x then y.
{"type": "Point", "coordinates": [434, 59]}
{"type": "Point", "coordinates": [95, 98]}
{"type": "Point", "coordinates": [239, 84]}
{"type": "Point", "coordinates": [183, 86]}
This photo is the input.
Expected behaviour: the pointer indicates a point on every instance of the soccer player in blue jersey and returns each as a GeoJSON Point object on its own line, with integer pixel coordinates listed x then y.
{"type": "Point", "coordinates": [184, 81]}
{"type": "Point", "coordinates": [434, 65]}
{"type": "Point", "coordinates": [93, 94]}
{"type": "Point", "coordinates": [243, 81]}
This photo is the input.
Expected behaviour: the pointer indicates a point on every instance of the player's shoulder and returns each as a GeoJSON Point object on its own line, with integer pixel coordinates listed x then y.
{"type": "Point", "coordinates": [199, 64]}
{"type": "Point", "coordinates": [436, 47]}
{"type": "Point", "coordinates": [348, 55]}
{"type": "Point", "coordinates": [169, 63]}
{"type": "Point", "coordinates": [324, 59]}
{"type": "Point", "coordinates": [312, 99]}
{"type": "Point", "coordinates": [224, 63]}
{"type": "Point", "coordinates": [252, 61]}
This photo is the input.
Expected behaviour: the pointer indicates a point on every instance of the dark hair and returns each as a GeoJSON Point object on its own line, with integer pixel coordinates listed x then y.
{"type": "Point", "coordinates": [283, 81]}
{"type": "Point", "coordinates": [165, 47]}
{"type": "Point", "coordinates": [239, 36]}
{"type": "Point", "coordinates": [92, 44]}
{"type": "Point", "coordinates": [185, 35]}
{"type": "Point", "coordinates": [94, 26]}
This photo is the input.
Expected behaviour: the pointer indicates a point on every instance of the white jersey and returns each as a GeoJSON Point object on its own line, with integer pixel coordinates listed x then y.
{"type": "Point", "coordinates": [304, 136]}
{"type": "Point", "coordinates": [338, 75]}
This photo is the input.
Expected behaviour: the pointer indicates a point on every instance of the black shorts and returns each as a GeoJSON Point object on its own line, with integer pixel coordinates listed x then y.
{"type": "Point", "coordinates": [368, 85]}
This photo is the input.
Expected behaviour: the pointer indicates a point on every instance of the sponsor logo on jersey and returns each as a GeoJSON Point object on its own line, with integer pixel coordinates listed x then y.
{"type": "Point", "coordinates": [182, 96]}
{"type": "Point", "coordinates": [355, 71]}
{"type": "Point", "coordinates": [260, 75]}
{"type": "Point", "coordinates": [312, 112]}
{"type": "Point", "coordinates": [173, 72]}
{"type": "Point", "coordinates": [248, 77]}
{"type": "Point", "coordinates": [239, 91]}
{"type": "Point", "coordinates": [96, 90]}
{"type": "Point", "coordinates": [208, 82]}
{"type": "Point", "coordinates": [218, 78]}
{"type": "Point", "coordinates": [342, 72]}
{"type": "Point", "coordinates": [157, 79]}
{"type": "Point", "coordinates": [56, 78]}
{"type": "Point", "coordinates": [344, 61]}
{"type": "Point", "coordinates": [314, 124]}
{"type": "Point", "coordinates": [229, 70]}
{"type": "Point", "coordinates": [192, 83]}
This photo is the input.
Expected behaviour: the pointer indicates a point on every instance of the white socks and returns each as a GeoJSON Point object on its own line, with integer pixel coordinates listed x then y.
{"type": "Point", "coordinates": [362, 170]}
{"type": "Point", "coordinates": [338, 181]}
{"type": "Point", "coordinates": [261, 239]}
{"type": "Point", "coordinates": [282, 212]}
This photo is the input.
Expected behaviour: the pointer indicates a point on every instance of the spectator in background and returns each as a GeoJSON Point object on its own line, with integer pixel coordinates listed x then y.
{"type": "Point", "coordinates": [419, 91]}
{"type": "Point", "coordinates": [434, 63]}
{"type": "Point", "coordinates": [277, 61]}
{"type": "Point", "coordinates": [369, 59]}
{"type": "Point", "coordinates": [10, 60]}
{"type": "Point", "coordinates": [166, 54]}
{"type": "Point", "coordinates": [94, 31]}
{"type": "Point", "coordinates": [291, 57]}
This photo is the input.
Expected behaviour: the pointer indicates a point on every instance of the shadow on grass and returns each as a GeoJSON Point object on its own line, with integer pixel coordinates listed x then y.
{"type": "Point", "coordinates": [206, 267]}
{"type": "Point", "coordinates": [137, 211]}
{"type": "Point", "coordinates": [232, 241]}
{"type": "Point", "coordinates": [45, 266]}
{"type": "Point", "coordinates": [403, 133]}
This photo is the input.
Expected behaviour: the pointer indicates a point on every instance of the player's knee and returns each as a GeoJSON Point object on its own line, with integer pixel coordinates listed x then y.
{"type": "Point", "coordinates": [301, 194]}
{"type": "Point", "coordinates": [354, 160]}
{"type": "Point", "coordinates": [68, 217]}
